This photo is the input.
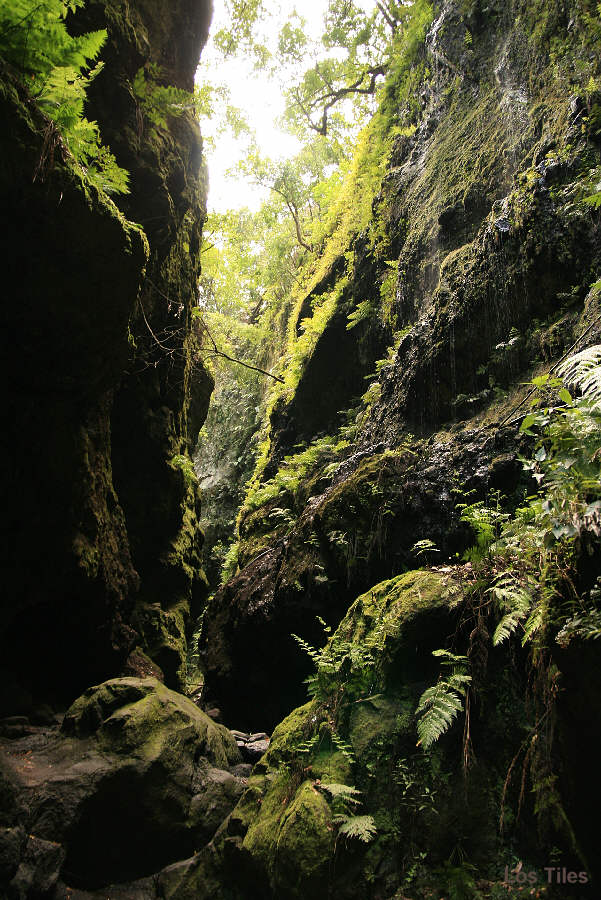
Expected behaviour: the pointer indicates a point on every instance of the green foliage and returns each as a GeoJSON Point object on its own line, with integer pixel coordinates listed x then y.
{"type": "Point", "coordinates": [362, 828]}
{"type": "Point", "coordinates": [344, 798]}
{"type": "Point", "coordinates": [486, 522]}
{"type": "Point", "coordinates": [413, 776]}
{"type": "Point", "coordinates": [345, 669]}
{"type": "Point", "coordinates": [586, 626]}
{"type": "Point", "coordinates": [566, 461]}
{"type": "Point", "coordinates": [56, 68]}
{"type": "Point", "coordinates": [424, 547]}
{"type": "Point", "coordinates": [364, 310]}
{"type": "Point", "coordinates": [294, 470]}
{"type": "Point", "coordinates": [341, 792]}
{"type": "Point", "coordinates": [158, 101]}
{"type": "Point", "coordinates": [440, 704]}
{"type": "Point", "coordinates": [514, 596]}
{"type": "Point", "coordinates": [186, 466]}
{"type": "Point", "coordinates": [240, 36]}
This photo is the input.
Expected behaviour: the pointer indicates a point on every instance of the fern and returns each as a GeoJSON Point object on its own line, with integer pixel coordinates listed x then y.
{"type": "Point", "coordinates": [344, 747]}
{"type": "Point", "coordinates": [345, 792]}
{"type": "Point", "coordinates": [583, 371]}
{"type": "Point", "coordinates": [516, 599]}
{"type": "Point", "coordinates": [425, 546]}
{"type": "Point", "coordinates": [440, 704]}
{"type": "Point", "coordinates": [56, 68]}
{"type": "Point", "coordinates": [344, 797]}
{"type": "Point", "coordinates": [364, 310]}
{"type": "Point", "coordinates": [362, 828]}
{"type": "Point", "coordinates": [316, 655]}
{"type": "Point", "coordinates": [586, 626]}
{"type": "Point", "coordinates": [159, 101]}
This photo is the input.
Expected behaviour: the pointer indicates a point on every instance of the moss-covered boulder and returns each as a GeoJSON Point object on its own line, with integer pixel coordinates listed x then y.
{"type": "Point", "coordinates": [346, 762]}
{"type": "Point", "coordinates": [138, 777]}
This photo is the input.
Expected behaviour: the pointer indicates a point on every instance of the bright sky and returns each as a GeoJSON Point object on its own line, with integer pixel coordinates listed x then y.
{"type": "Point", "coordinates": [260, 99]}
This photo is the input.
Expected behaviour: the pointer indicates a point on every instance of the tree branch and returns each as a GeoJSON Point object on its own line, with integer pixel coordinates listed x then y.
{"type": "Point", "coordinates": [392, 23]}
{"type": "Point", "coordinates": [333, 95]}
{"type": "Point", "coordinates": [172, 351]}
{"type": "Point", "coordinates": [242, 363]}
{"type": "Point", "coordinates": [293, 210]}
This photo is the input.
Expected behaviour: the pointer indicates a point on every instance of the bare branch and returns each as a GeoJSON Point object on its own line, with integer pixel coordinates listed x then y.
{"type": "Point", "coordinates": [175, 351]}
{"type": "Point", "coordinates": [333, 96]}
{"type": "Point", "coordinates": [292, 209]}
{"type": "Point", "coordinates": [392, 23]}
{"type": "Point", "coordinates": [241, 362]}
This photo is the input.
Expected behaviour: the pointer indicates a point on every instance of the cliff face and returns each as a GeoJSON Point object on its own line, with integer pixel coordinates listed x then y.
{"type": "Point", "coordinates": [479, 213]}
{"type": "Point", "coordinates": [481, 220]}
{"type": "Point", "coordinates": [104, 395]}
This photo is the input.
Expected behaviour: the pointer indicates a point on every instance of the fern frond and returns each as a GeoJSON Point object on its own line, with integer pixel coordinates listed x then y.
{"type": "Point", "coordinates": [583, 370]}
{"type": "Point", "coordinates": [425, 546]}
{"type": "Point", "coordinates": [345, 792]}
{"type": "Point", "coordinates": [506, 628]}
{"type": "Point", "coordinates": [346, 749]}
{"type": "Point", "coordinates": [451, 660]}
{"type": "Point", "coordinates": [439, 706]}
{"type": "Point", "coordinates": [534, 623]}
{"type": "Point", "coordinates": [363, 828]}
{"type": "Point", "coordinates": [517, 598]}
{"type": "Point", "coordinates": [311, 651]}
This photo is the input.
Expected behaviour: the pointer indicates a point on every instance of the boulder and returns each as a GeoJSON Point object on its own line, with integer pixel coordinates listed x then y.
{"type": "Point", "coordinates": [136, 778]}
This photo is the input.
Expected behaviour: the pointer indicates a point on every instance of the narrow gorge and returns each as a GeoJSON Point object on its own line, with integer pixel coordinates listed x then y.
{"type": "Point", "coordinates": [391, 691]}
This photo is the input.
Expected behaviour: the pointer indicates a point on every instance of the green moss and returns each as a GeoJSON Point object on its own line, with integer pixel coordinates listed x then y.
{"type": "Point", "coordinates": [305, 846]}
{"type": "Point", "coordinates": [142, 717]}
{"type": "Point", "coordinates": [332, 767]}
{"type": "Point", "coordinates": [377, 719]}
{"type": "Point", "coordinates": [403, 596]}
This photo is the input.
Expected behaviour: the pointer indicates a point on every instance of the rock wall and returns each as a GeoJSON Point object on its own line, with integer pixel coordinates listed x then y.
{"type": "Point", "coordinates": [479, 210]}
{"type": "Point", "coordinates": [104, 391]}
{"type": "Point", "coordinates": [495, 253]}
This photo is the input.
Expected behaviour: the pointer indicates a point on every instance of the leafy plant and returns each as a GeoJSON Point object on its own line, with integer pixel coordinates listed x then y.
{"type": "Point", "coordinates": [486, 521]}
{"type": "Point", "coordinates": [515, 598]}
{"type": "Point", "coordinates": [440, 704]}
{"type": "Point", "coordinates": [186, 466]}
{"type": "Point", "coordinates": [424, 547]}
{"type": "Point", "coordinates": [57, 69]}
{"type": "Point", "coordinates": [345, 799]}
{"type": "Point", "coordinates": [158, 101]}
{"type": "Point", "coordinates": [362, 828]}
{"type": "Point", "coordinates": [344, 669]}
{"type": "Point", "coordinates": [567, 461]}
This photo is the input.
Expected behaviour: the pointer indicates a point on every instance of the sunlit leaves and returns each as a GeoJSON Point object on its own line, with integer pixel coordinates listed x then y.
{"type": "Point", "coordinates": [57, 69]}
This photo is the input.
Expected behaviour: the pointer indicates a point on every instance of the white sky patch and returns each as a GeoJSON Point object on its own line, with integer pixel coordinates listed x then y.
{"type": "Point", "coordinates": [260, 99]}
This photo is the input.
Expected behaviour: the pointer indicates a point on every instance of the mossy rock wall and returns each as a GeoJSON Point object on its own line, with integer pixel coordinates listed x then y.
{"type": "Point", "coordinates": [101, 506]}
{"type": "Point", "coordinates": [493, 255]}
{"type": "Point", "coordinates": [436, 823]}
